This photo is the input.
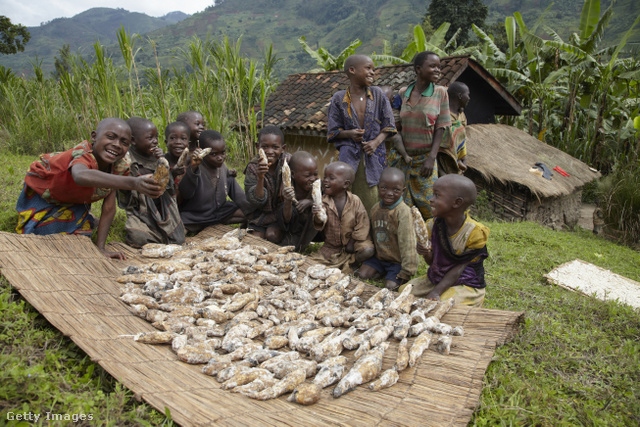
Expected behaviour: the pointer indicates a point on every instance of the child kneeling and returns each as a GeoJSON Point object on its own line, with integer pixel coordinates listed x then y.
{"type": "Point", "coordinates": [59, 189]}
{"type": "Point", "coordinates": [458, 245]}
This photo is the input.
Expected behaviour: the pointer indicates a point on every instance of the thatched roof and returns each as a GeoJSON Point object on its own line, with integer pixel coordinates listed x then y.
{"type": "Point", "coordinates": [504, 154]}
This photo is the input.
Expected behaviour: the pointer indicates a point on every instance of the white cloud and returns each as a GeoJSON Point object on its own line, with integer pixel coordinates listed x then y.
{"type": "Point", "coordinates": [33, 12]}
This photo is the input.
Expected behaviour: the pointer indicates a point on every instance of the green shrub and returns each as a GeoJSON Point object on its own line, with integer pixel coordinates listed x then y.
{"type": "Point", "coordinates": [620, 203]}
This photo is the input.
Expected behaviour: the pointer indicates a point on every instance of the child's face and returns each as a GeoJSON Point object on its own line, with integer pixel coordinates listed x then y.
{"type": "Point", "coordinates": [363, 73]}
{"type": "Point", "coordinates": [110, 142]}
{"type": "Point", "coordinates": [218, 154]}
{"type": "Point", "coordinates": [196, 125]}
{"type": "Point", "coordinates": [146, 139]}
{"type": "Point", "coordinates": [272, 146]}
{"type": "Point", "coordinates": [465, 97]}
{"type": "Point", "coordinates": [305, 174]}
{"type": "Point", "coordinates": [390, 189]}
{"type": "Point", "coordinates": [430, 69]}
{"type": "Point", "coordinates": [335, 181]}
{"type": "Point", "coordinates": [442, 200]}
{"type": "Point", "coordinates": [177, 140]}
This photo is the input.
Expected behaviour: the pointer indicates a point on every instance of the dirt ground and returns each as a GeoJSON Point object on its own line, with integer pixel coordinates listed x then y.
{"type": "Point", "coordinates": [586, 216]}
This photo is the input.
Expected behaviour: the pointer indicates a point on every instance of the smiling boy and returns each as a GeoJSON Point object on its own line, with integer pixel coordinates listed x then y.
{"type": "Point", "coordinates": [359, 120]}
{"type": "Point", "coordinates": [60, 188]}
{"type": "Point", "coordinates": [393, 234]}
{"type": "Point", "coordinates": [458, 245]}
{"type": "Point", "coordinates": [196, 124]}
{"type": "Point", "coordinates": [263, 184]}
{"type": "Point", "coordinates": [346, 230]}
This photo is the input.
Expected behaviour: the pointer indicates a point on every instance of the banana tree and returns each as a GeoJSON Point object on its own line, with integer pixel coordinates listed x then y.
{"type": "Point", "coordinates": [325, 59]}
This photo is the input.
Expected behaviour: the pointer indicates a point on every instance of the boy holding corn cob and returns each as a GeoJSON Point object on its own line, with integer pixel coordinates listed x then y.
{"type": "Point", "coordinates": [60, 187]}
{"type": "Point", "coordinates": [295, 216]}
{"type": "Point", "coordinates": [458, 245]}
{"type": "Point", "coordinates": [206, 186]}
{"type": "Point", "coordinates": [149, 220]}
{"type": "Point", "coordinates": [263, 184]}
{"type": "Point", "coordinates": [346, 225]}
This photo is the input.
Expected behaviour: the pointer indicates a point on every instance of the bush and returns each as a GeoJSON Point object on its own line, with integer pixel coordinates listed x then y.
{"type": "Point", "coordinates": [620, 203]}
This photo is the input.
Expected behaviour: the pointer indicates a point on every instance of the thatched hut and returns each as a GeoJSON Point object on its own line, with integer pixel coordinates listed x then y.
{"type": "Point", "coordinates": [499, 157]}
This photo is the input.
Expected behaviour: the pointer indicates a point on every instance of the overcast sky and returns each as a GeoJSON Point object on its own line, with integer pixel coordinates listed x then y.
{"type": "Point", "coordinates": [33, 12]}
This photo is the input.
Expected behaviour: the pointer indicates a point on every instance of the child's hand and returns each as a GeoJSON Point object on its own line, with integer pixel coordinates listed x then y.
{"type": "Point", "coordinates": [233, 173]}
{"type": "Point", "coordinates": [422, 250]}
{"type": "Point", "coordinates": [462, 166]}
{"type": "Point", "coordinates": [370, 147]}
{"type": "Point", "coordinates": [433, 295]}
{"type": "Point", "coordinates": [196, 160]}
{"type": "Point", "coordinates": [176, 172]}
{"type": "Point", "coordinates": [407, 159]}
{"type": "Point", "coordinates": [289, 194]}
{"type": "Point", "coordinates": [427, 167]}
{"type": "Point", "coordinates": [350, 248]}
{"type": "Point", "coordinates": [263, 169]}
{"type": "Point", "coordinates": [355, 134]}
{"type": "Point", "coordinates": [114, 255]}
{"type": "Point", "coordinates": [303, 204]}
{"type": "Point", "coordinates": [148, 186]}
{"type": "Point", "coordinates": [157, 152]}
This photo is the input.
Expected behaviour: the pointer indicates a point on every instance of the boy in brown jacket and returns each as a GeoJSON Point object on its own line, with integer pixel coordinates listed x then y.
{"type": "Point", "coordinates": [393, 234]}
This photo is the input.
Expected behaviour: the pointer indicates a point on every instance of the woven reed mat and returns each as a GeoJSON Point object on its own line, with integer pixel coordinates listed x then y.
{"type": "Point", "coordinates": [69, 281]}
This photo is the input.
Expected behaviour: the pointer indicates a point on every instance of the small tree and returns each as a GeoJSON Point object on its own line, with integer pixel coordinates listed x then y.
{"type": "Point", "coordinates": [62, 64]}
{"type": "Point", "coordinates": [461, 14]}
{"type": "Point", "coordinates": [13, 37]}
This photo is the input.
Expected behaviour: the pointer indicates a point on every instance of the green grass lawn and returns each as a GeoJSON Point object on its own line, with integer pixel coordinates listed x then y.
{"type": "Point", "coordinates": [576, 361]}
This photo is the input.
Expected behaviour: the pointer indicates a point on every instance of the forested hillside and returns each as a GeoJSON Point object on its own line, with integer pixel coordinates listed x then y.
{"type": "Point", "coordinates": [328, 23]}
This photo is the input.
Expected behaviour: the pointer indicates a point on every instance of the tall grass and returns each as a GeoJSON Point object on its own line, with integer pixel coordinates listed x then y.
{"type": "Point", "coordinates": [41, 114]}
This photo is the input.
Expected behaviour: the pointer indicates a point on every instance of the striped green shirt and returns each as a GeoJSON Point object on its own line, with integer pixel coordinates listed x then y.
{"type": "Point", "coordinates": [420, 121]}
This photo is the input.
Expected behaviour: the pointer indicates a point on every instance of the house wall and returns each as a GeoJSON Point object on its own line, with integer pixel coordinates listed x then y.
{"type": "Point", "coordinates": [324, 152]}
{"type": "Point", "coordinates": [514, 202]}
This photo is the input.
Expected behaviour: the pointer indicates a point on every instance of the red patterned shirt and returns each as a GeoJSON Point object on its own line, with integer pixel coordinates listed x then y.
{"type": "Point", "coordinates": [51, 178]}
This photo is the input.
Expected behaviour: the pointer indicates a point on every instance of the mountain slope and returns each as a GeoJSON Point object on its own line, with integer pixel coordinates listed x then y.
{"type": "Point", "coordinates": [80, 32]}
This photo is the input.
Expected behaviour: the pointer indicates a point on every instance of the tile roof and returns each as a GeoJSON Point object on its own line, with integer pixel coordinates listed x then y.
{"type": "Point", "coordinates": [301, 101]}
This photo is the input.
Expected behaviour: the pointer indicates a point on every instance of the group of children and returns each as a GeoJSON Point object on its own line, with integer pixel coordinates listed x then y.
{"type": "Point", "coordinates": [371, 232]}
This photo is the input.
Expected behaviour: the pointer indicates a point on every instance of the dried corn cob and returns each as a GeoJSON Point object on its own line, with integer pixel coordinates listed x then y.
{"type": "Point", "coordinates": [316, 194]}
{"type": "Point", "coordinates": [286, 176]}
{"type": "Point", "coordinates": [263, 156]}
{"type": "Point", "coordinates": [182, 160]}
{"type": "Point", "coordinates": [202, 153]}
{"type": "Point", "coordinates": [161, 175]}
{"type": "Point", "coordinates": [421, 230]}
